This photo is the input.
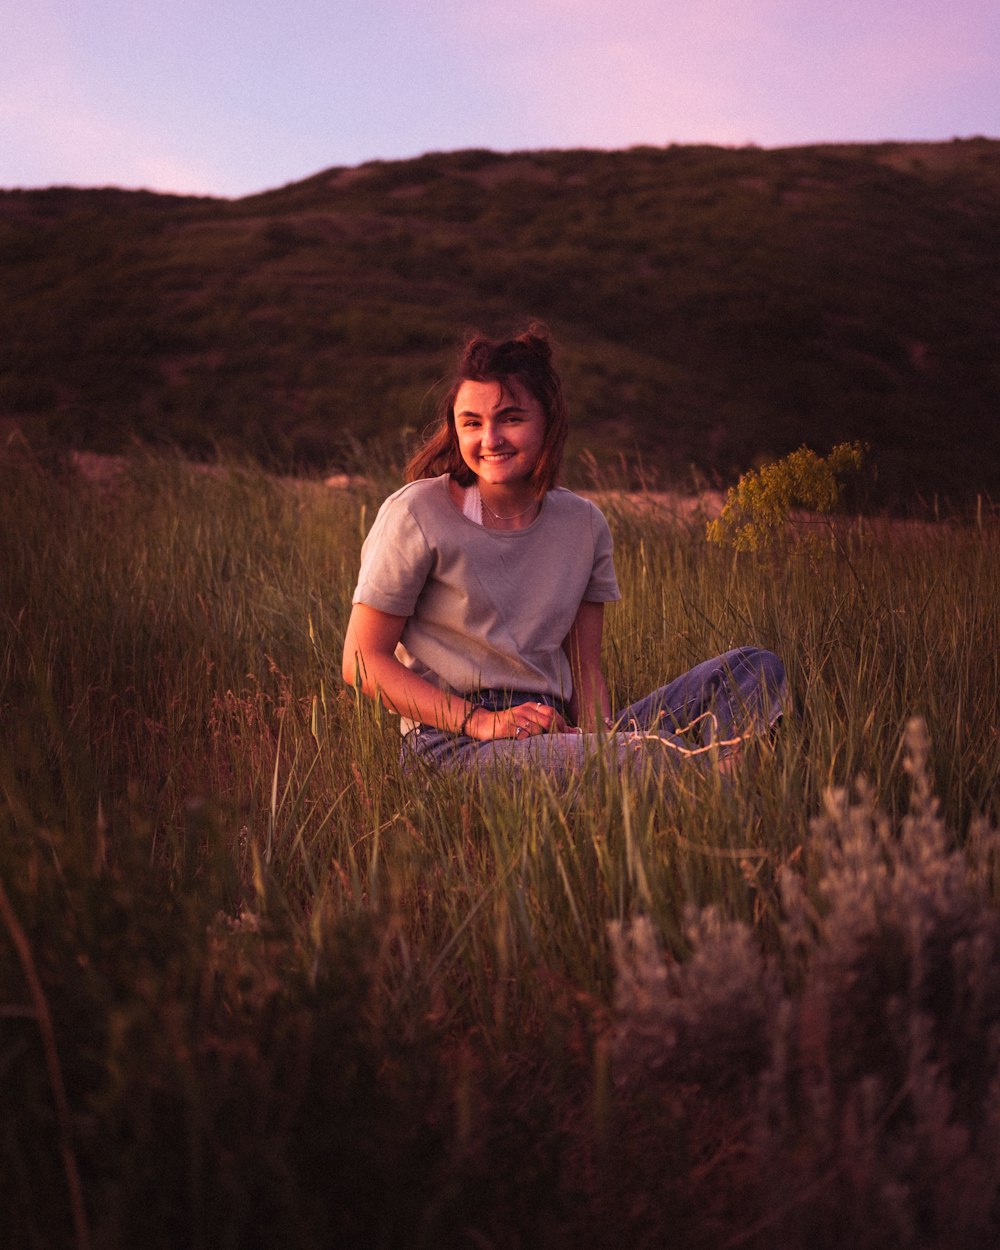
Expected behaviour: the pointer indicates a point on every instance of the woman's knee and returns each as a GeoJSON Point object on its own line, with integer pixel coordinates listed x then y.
{"type": "Point", "coordinates": [764, 663]}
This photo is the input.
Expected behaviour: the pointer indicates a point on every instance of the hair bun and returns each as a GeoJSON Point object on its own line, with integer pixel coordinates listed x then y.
{"type": "Point", "coordinates": [536, 339]}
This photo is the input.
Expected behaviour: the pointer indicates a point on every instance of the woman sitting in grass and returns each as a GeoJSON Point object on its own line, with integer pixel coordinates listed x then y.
{"type": "Point", "coordinates": [479, 608]}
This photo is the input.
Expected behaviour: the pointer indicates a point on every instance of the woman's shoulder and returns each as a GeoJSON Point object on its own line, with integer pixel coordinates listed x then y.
{"type": "Point", "coordinates": [569, 503]}
{"type": "Point", "coordinates": [410, 520]}
{"type": "Point", "coordinates": [425, 492]}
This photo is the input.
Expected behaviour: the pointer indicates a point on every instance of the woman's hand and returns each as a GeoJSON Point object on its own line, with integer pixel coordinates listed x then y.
{"type": "Point", "coordinates": [524, 721]}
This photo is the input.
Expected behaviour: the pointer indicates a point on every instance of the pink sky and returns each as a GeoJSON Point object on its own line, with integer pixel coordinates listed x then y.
{"type": "Point", "coordinates": [235, 96]}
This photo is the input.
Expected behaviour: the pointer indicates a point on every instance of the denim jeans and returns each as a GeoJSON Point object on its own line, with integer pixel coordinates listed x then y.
{"type": "Point", "coordinates": [716, 703]}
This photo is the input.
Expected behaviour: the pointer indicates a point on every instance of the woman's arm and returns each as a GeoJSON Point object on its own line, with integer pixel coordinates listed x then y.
{"type": "Point", "coordinates": [369, 657]}
{"type": "Point", "coordinates": [590, 705]}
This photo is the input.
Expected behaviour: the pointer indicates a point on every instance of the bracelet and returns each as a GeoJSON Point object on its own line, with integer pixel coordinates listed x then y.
{"type": "Point", "coordinates": [467, 717]}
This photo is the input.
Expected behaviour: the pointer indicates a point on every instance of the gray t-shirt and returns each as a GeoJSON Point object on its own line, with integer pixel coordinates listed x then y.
{"type": "Point", "coordinates": [485, 608]}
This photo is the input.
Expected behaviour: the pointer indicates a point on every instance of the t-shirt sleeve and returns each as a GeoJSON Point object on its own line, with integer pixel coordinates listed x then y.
{"type": "Point", "coordinates": [395, 561]}
{"type": "Point", "coordinates": [603, 584]}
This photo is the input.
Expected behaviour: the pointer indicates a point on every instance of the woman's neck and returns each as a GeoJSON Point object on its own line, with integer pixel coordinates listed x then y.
{"type": "Point", "coordinates": [509, 509]}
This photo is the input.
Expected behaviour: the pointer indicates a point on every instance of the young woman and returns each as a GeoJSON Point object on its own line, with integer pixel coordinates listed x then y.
{"type": "Point", "coordinates": [479, 608]}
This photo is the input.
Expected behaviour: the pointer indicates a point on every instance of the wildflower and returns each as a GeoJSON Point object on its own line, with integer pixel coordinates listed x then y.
{"type": "Point", "coordinates": [760, 504]}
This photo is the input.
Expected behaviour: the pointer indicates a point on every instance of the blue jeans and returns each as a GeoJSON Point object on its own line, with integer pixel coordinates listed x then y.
{"type": "Point", "coordinates": [716, 703]}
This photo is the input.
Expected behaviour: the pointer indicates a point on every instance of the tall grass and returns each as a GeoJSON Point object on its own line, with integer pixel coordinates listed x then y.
{"type": "Point", "coordinates": [300, 998]}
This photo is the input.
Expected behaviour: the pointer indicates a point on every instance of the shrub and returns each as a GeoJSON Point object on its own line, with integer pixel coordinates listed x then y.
{"type": "Point", "coordinates": [860, 1059]}
{"type": "Point", "coordinates": [760, 504]}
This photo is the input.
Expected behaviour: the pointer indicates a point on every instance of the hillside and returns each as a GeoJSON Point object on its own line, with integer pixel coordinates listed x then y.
{"type": "Point", "coordinates": [712, 306]}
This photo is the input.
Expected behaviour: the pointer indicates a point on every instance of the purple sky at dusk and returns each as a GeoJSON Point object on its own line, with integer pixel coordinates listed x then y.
{"type": "Point", "coordinates": [227, 97]}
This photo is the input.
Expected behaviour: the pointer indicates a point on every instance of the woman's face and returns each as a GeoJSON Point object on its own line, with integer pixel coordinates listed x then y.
{"type": "Point", "coordinates": [500, 429]}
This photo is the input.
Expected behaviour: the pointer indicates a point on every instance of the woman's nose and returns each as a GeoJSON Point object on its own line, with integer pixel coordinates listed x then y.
{"type": "Point", "coordinates": [492, 436]}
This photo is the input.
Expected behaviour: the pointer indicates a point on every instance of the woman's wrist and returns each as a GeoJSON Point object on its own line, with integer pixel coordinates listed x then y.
{"type": "Point", "coordinates": [465, 729]}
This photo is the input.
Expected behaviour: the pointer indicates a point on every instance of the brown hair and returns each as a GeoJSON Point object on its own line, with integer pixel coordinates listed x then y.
{"type": "Point", "coordinates": [527, 360]}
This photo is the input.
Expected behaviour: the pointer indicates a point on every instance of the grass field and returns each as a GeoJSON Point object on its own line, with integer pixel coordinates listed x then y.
{"type": "Point", "coordinates": [258, 988]}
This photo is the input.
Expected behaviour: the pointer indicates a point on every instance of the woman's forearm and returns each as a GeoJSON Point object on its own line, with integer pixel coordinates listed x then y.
{"type": "Point", "coordinates": [590, 705]}
{"type": "Point", "coordinates": [384, 678]}
{"type": "Point", "coordinates": [410, 695]}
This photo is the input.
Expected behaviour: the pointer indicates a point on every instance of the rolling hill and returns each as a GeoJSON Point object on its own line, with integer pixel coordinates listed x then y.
{"type": "Point", "coordinates": [713, 307]}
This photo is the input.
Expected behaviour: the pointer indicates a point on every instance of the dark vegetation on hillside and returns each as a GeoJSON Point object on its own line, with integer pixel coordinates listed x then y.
{"type": "Point", "coordinates": [713, 307]}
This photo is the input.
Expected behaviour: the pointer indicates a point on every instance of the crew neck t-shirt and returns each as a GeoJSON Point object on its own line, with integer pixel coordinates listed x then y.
{"type": "Point", "coordinates": [485, 608]}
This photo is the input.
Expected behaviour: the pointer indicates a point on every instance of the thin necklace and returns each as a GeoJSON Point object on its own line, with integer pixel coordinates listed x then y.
{"type": "Point", "coordinates": [513, 516]}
